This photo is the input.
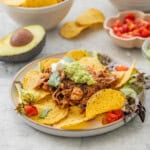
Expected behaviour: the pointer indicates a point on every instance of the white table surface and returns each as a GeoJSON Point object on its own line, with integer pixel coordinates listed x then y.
{"type": "Point", "coordinates": [16, 135]}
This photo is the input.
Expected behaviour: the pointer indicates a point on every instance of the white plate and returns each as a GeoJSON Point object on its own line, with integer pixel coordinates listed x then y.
{"type": "Point", "coordinates": [96, 128]}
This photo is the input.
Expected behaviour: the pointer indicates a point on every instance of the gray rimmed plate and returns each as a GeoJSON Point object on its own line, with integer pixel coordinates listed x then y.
{"type": "Point", "coordinates": [95, 129]}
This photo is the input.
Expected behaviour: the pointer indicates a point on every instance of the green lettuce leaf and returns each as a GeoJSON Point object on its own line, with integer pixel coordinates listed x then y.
{"type": "Point", "coordinates": [25, 97]}
{"type": "Point", "coordinates": [128, 91]}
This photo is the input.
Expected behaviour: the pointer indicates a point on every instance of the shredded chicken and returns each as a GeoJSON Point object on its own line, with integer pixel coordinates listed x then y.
{"type": "Point", "coordinates": [69, 93]}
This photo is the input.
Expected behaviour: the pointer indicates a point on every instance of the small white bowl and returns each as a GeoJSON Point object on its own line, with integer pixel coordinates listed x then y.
{"type": "Point", "coordinates": [48, 16]}
{"type": "Point", "coordinates": [133, 42]}
{"type": "Point", "coordinates": [145, 47]}
{"type": "Point", "coordinates": [143, 5]}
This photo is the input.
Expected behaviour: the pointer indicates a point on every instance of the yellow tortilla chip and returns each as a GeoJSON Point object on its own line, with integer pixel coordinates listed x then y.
{"type": "Point", "coordinates": [31, 79]}
{"type": "Point", "coordinates": [126, 76]}
{"type": "Point", "coordinates": [31, 3]}
{"type": "Point", "coordinates": [90, 17]}
{"type": "Point", "coordinates": [46, 63]}
{"type": "Point", "coordinates": [38, 3]}
{"type": "Point", "coordinates": [29, 82]}
{"type": "Point", "coordinates": [71, 29]}
{"type": "Point", "coordinates": [74, 121]}
{"type": "Point", "coordinates": [104, 101]}
{"type": "Point", "coordinates": [119, 75]}
{"type": "Point", "coordinates": [13, 2]}
{"type": "Point", "coordinates": [92, 63]}
{"type": "Point", "coordinates": [77, 54]}
{"type": "Point", "coordinates": [54, 115]}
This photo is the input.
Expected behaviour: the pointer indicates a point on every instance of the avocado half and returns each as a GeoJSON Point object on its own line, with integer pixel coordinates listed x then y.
{"type": "Point", "coordinates": [10, 53]}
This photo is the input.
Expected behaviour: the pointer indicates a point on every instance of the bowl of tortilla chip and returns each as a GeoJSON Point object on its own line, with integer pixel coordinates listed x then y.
{"type": "Point", "coordinates": [46, 13]}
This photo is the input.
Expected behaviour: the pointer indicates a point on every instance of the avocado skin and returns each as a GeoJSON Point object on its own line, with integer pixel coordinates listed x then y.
{"type": "Point", "coordinates": [25, 56]}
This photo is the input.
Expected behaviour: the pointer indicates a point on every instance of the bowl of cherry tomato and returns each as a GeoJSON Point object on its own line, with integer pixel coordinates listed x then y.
{"type": "Point", "coordinates": [129, 29]}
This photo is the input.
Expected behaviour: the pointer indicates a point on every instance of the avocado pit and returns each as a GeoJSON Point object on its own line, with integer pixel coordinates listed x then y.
{"type": "Point", "coordinates": [21, 37]}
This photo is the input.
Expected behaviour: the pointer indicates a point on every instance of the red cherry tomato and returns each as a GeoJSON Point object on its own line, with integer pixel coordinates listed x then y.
{"type": "Point", "coordinates": [118, 112]}
{"type": "Point", "coordinates": [30, 110]}
{"type": "Point", "coordinates": [112, 116]}
{"type": "Point", "coordinates": [145, 32]}
{"type": "Point", "coordinates": [118, 33]}
{"type": "Point", "coordinates": [117, 23]}
{"type": "Point", "coordinates": [130, 16]}
{"type": "Point", "coordinates": [121, 68]}
{"type": "Point", "coordinates": [136, 32]}
{"type": "Point", "coordinates": [131, 26]}
{"type": "Point", "coordinates": [125, 28]}
{"type": "Point", "coordinates": [148, 26]}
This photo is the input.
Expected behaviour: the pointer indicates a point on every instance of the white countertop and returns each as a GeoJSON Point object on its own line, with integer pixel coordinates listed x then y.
{"type": "Point", "coordinates": [16, 135]}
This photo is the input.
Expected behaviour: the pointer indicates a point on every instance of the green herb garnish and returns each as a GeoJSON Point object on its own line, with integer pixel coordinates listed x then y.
{"type": "Point", "coordinates": [44, 113]}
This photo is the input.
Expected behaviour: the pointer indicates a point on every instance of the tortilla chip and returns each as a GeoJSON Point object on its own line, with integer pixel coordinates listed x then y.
{"type": "Point", "coordinates": [119, 75]}
{"type": "Point", "coordinates": [31, 3]}
{"type": "Point", "coordinates": [104, 101]}
{"type": "Point", "coordinates": [126, 76]}
{"type": "Point", "coordinates": [38, 3]}
{"type": "Point", "coordinates": [74, 121]}
{"type": "Point", "coordinates": [13, 2]}
{"type": "Point", "coordinates": [29, 82]}
{"type": "Point", "coordinates": [46, 63]}
{"type": "Point", "coordinates": [91, 17]}
{"type": "Point", "coordinates": [77, 54]}
{"type": "Point", "coordinates": [31, 79]}
{"type": "Point", "coordinates": [71, 29]}
{"type": "Point", "coordinates": [54, 115]}
{"type": "Point", "coordinates": [92, 63]}
{"type": "Point", "coordinates": [100, 117]}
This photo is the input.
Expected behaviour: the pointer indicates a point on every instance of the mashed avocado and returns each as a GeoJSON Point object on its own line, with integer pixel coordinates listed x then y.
{"type": "Point", "coordinates": [77, 73]}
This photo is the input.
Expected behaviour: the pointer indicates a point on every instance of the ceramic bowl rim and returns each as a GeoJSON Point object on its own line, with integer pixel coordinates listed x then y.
{"type": "Point", "coordinates": [55, 6]}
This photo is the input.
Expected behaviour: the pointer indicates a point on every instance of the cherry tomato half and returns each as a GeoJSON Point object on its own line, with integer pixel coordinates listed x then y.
{"type": "Point", "coordinates": [131, 26]}
{"type": "Point", "coordinates": [121, 68]}
{"type": "Point", "coordinates": [130, 16]}
{"type": "Point", "coordinates": [112, 116]}
{"type": "Point", "coordinates": [30, 110]}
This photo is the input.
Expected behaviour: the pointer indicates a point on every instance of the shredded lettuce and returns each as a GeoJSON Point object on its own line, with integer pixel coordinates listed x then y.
{"type": "Point", "coordinates": [25, 97]}
{"type": "Point", "coordinates": [128, 91]}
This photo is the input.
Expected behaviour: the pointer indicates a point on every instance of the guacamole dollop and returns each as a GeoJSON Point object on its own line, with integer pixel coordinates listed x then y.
{"type": "Point", "coordinates": [77, 73]}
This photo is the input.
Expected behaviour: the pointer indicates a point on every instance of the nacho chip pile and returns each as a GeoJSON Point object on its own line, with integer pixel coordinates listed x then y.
{"type": "Point", "coordinates": [86, 20]}
{"type": "Point", "coordinates": [76, 117]}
